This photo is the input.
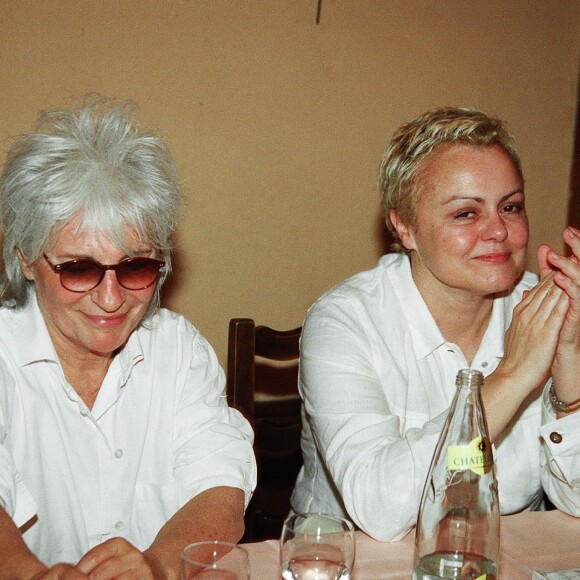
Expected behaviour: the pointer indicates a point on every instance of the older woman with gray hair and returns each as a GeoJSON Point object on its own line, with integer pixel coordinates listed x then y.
{"type": "Point", "coordinates": [380, 352]}
{"type": "Point", "coordinates": [117, 447]}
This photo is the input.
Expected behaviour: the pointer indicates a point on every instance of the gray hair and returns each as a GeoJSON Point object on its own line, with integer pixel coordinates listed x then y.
{"type": "Point", "coordinates": [412, 144]}
{"type": "Point", "coordinates": [95, 163]}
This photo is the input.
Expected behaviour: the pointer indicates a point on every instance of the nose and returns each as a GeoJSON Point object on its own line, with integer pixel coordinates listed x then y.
{"type": "Point", "coordinates": [494, 228]}
{"type": "Point", "coordinates": [109, 295]}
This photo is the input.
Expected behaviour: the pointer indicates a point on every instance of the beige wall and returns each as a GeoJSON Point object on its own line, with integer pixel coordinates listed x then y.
{"type": "Point", "coordinates": [277, 124]}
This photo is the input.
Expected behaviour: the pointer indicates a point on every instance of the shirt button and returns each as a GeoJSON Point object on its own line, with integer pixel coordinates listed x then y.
{"type": "Point", "coordinates": [119, 453]}
{"type": "Point", "coordinates": [119, 525]}
{"type": "Point", "coordinates": [555, 437]}
{"type": "Point", "coordinates": [484, 364]}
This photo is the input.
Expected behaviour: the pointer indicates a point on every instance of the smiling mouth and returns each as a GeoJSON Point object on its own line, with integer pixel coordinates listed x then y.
{"type": "Point", "coordinates": [107, 321]}
{"type": "Point", "coordinates": [496, 258]}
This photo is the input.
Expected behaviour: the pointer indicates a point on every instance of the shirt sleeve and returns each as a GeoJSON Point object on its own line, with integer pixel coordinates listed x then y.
{"type": "Point", "coordinates": [377, 465]}
{"type": "Point", "coordinates": [15, 498]}
{"type": "Point", "coordinates": [213, 442]}
{"type": "Point", "coordinates": [560, 461]}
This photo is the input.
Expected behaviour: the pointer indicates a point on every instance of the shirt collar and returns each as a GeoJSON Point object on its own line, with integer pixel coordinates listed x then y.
{"type": "Point", "coordinates": [493, 340]}
{"type": "Point", "coordinates": [117, 376]}
{"type": "Point", "coordinates": [130, 355]}
{"type": "Point", "coordinates": [30, 329]}
{"type": "Point", "coordinates": [425, 333]}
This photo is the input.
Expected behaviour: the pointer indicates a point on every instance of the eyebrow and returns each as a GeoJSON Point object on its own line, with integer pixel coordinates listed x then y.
{"type": "Point", "coordinates": [480, 199]}
{"type": "Point", "coordinates": [81, 256]}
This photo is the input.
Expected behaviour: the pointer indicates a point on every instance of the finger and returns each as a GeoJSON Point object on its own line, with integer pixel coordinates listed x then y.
{"type": "Point", "coordinates": [536, 294]}
{"type": "Point", "coordinates": [61, 572]}
{"type": "Point", "coordinates": [552, 299]}
{"type": "Point", "coordinates": [566, 266]}
{"type": "Point", "coordinates": [543, 264]}
{"type": "Point", "coordinates": [543, 307]}
{"type": "Point", "coordinates": [115, 558]}
{"type": "Point", "coordinates": [112, 548]}
{"type": "Point", "coordinates": [568, 284]}
{"type": "Point", "coordinates": [571, 328]}
{"type": "Point", "coordinates": [572, 238]}
{"type": "Point", "coordinates": [130, 565]}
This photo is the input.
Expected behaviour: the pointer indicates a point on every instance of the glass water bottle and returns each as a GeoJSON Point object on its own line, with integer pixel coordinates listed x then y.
{"type": "Point", "coordinates": [458, 524]}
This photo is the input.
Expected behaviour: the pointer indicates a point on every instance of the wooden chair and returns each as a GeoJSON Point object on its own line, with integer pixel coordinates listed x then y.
{"type": "Point", "coordinates": [262, 383]}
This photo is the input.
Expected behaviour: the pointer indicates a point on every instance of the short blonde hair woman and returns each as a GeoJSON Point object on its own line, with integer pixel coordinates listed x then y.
{"type": "Point", "coordinates": [380, 352]}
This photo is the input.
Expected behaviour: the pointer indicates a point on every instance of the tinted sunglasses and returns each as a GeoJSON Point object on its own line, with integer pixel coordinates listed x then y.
{"type": "Point", "coordinates": [83, 275]}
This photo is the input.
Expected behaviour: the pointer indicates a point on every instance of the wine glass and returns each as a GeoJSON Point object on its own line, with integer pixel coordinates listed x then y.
{"type": "Point", "coordinates": [316, 546]}
{"type": "Point", "coordinates": [214, 560]}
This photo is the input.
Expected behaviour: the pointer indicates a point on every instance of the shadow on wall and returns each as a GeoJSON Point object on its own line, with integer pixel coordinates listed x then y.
{"type": "Point", "coordinates": [383, 236]}
{"type": "Point", "coordinates": [172, 283]}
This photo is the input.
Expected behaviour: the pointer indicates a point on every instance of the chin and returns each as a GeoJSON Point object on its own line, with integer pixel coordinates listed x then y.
{"type": "Point", "coordinates": [107, 347]}
{"type": "Point", "coordinates": [503, 285]}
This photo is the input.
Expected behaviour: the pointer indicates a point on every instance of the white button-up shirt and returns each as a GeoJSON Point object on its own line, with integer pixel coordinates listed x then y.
{"type": "Point", "coordinates": [377, 378]}
{"type": "Point", "coordinates": [159, 433]}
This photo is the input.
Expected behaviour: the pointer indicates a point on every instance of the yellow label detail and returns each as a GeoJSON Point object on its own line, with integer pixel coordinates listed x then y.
{"type": "Point", "coordinates": [476, 455]}
{"type": "Point", "coordinates": [482, 577]}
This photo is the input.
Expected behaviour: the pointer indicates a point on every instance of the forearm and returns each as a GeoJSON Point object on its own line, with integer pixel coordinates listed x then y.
{"type": "Point", "coordinates": [529, 352]}
{"type": "Point", "coordinates": [379, 473]}
{"type": "Point", "coordinates": [566, 275]}
{"type": "Point", "coordinates": [16, 560]}
{"type": "Point", "coordinates": [215, 514]}
{"type": "Point", "coordinates": [503, 394]}
{"type": "Point", "coordinates": [565, 373]}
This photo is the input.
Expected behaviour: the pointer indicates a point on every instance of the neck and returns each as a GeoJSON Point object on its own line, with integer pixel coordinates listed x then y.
{"type": "Point", "coordinates": [86, 375]}
{"type": "Point", "coordinates": [83, 370]}
{"type": "Point", "coordinates": [461, 316]}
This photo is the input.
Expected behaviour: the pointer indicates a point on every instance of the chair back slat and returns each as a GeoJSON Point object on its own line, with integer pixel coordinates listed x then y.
{"type": "Point", "coordinates": [276, 419]}
{"type": "Point", "coordinates": [280, 345]}
{"type": "Point", "coordinates": [240, 375]}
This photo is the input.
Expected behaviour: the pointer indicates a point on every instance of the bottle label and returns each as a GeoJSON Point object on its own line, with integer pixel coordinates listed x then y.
{"type": "Point", "coordinates": [476, 455]}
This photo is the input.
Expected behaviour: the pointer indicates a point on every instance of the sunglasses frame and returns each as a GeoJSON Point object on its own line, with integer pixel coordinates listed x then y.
{"type": "Point", "coordinates": [61, 268]}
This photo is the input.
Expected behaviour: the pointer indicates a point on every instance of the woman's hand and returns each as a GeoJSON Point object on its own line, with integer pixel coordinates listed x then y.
{"type": "Point", "coordinates": [114, 558]}
{"type": "Point", "coordinates": [532, 338]}
{"type": "Point", "coordinates": [17, 561]}
{"type": "Point", "coordinates": [566, 275]}
{"type": "Point", "coordinates": [530, 348]}
{"type": "Point", "coordinates": [60, 572]}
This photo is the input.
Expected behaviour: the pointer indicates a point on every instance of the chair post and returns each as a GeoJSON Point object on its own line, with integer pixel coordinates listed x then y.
{"type": "Point", "coordinates": [240, 377]}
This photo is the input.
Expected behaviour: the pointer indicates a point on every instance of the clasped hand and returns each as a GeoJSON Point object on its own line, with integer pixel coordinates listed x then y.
{"type": "Point", "coordinates": [114, 558]}
{"type": "Point", "coordinates": [565, 273]}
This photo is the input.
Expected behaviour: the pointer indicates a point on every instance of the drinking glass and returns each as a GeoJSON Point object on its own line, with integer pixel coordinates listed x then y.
{"type": "Point", "coordinates": [316, 546]}
{"type": "Point", "coordinates": [214, 560]}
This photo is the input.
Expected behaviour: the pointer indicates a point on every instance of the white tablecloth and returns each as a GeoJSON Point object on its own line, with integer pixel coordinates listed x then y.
{"type": "Point", "coordinates": [529, 541]}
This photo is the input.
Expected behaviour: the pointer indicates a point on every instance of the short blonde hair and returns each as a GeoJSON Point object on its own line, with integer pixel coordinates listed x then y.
{"type": "Point", "coordinates": [416, 141]}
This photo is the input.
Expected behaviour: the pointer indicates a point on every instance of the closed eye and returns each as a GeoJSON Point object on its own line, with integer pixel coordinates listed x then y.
{"type": "Point", "coordinates": [467, 214]}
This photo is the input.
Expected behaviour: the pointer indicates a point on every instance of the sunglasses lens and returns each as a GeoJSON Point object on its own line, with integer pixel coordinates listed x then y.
{"type": "Point", "coordinates": [138, 273]}
{"type": "Point", "coordinates": [132, 273]}
{"type": "Point", "coordinates": [80, 275]}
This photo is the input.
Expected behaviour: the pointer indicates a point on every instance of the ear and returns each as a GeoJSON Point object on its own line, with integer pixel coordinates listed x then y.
{"type": "Point", "coordinates": [404, 232]}
{"type": "Point", "coordinates": [27, 269]}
